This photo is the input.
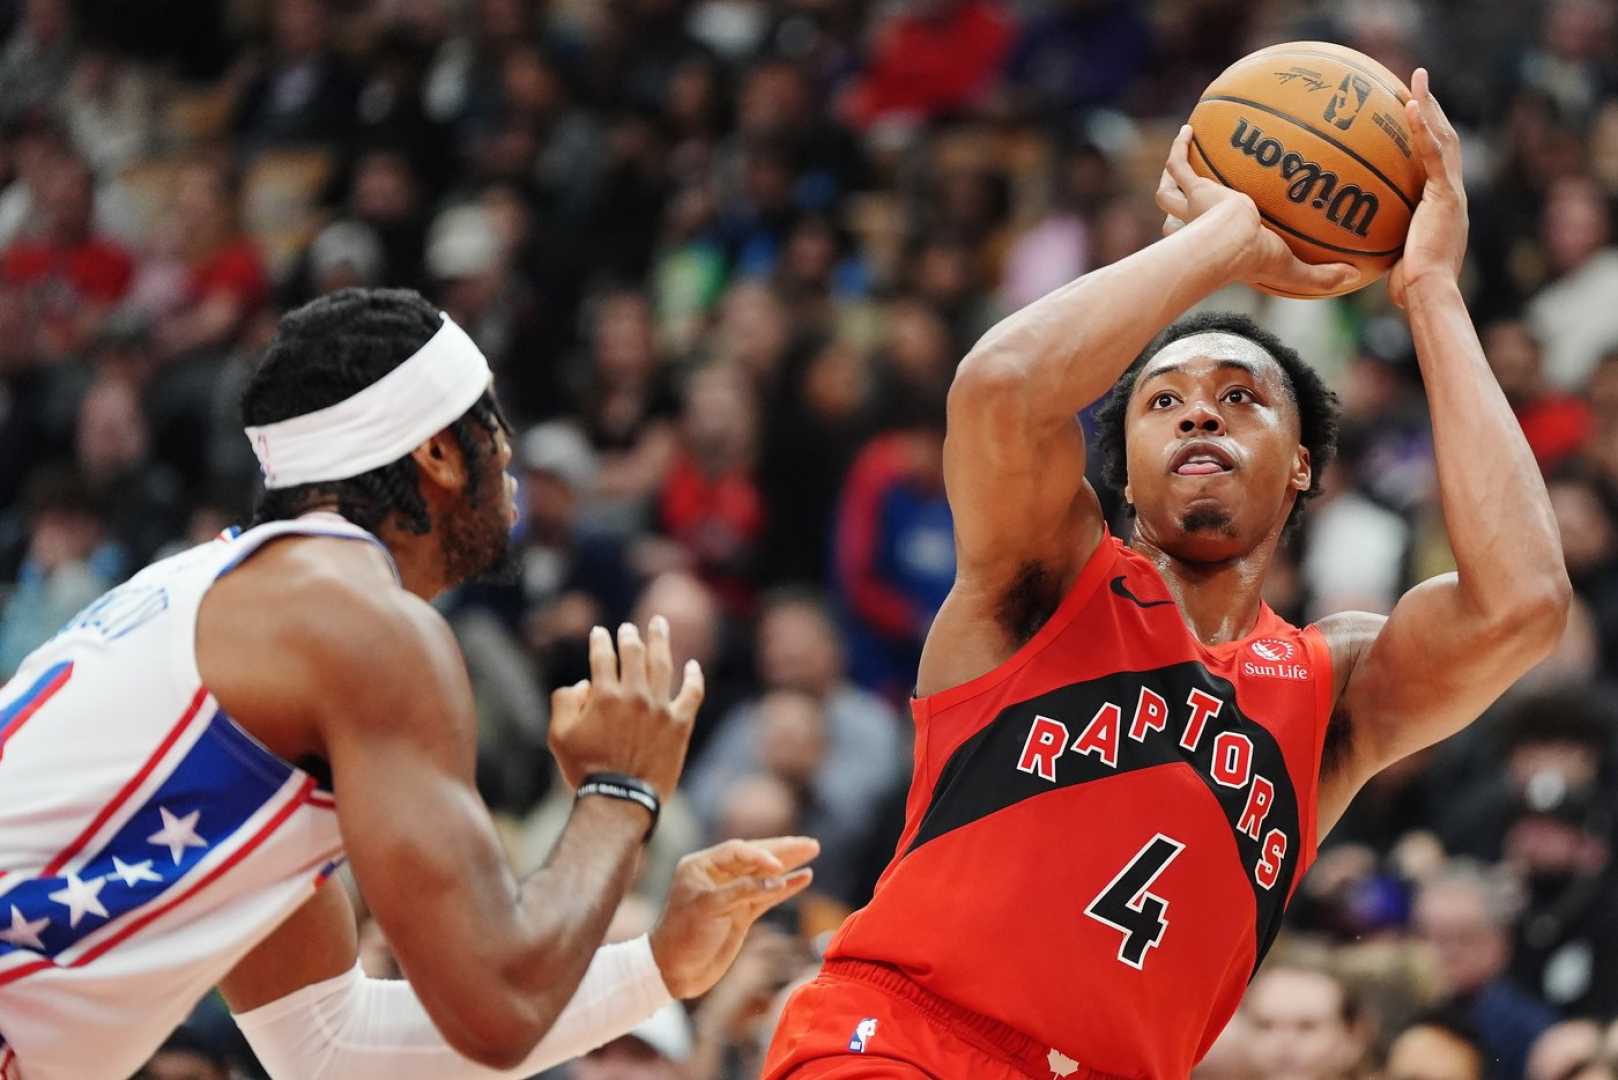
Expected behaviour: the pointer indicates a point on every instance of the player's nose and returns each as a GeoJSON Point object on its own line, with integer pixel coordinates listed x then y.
{"type": "Point", "coordinates": [1202, 419]}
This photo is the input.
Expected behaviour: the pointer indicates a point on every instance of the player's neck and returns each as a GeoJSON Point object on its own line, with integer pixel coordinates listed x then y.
{"type": "Point", "coordinates": [1219, 602]}
{"type": "Point", "coordinates": [419, 559]}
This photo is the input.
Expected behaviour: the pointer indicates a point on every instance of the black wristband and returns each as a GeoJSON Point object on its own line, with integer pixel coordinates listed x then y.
{"type": "Point", "coordinates": [627, 788]}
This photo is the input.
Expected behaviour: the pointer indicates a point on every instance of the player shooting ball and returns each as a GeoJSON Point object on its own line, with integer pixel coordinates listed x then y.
{"type": "Point", "coordinates": [1124, 758]}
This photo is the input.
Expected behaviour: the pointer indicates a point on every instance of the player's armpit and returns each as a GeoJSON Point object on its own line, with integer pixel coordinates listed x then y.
{"type": "Point", "coordinates": [1422, 674]}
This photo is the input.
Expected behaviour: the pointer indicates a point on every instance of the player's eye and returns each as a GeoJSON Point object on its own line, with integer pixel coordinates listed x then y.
{"type": "Point", "coordinates": [1239, 396]}
{"type": "Point", "coordinates": [1163, 400]}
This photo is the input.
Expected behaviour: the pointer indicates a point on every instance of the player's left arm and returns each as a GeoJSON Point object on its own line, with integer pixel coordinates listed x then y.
{"type": "Point", "coordinates": [1455, 643]}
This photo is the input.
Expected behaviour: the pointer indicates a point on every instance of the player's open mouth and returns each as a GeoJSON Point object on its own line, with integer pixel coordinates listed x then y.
{"type": "Point", "coordinates": [1202, 459]}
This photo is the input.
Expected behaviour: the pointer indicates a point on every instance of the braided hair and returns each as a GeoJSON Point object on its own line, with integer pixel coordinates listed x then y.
{"type": "Point", "coordinates": [325, 352]}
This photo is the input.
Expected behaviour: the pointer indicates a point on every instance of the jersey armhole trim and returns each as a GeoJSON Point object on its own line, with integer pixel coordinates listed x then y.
{"type": "Point", "coordinates": [1101, 560]}
{"type": "Point", "coordinates": [1320, 651]}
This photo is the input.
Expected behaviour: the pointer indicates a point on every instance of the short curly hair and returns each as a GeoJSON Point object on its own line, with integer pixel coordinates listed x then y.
{"type": "Point", "coordinates": [1318, 407]}
{"type": "Point", "coordinates": [330, 349]}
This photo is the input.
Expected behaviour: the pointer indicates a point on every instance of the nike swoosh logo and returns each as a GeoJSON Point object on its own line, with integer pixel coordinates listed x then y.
{"type": "Point", "coordinates": [1122, 590]}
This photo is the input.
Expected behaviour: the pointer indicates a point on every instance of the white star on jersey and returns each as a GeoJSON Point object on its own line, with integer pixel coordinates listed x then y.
{"type": "Point", "coordinates": [79, 897]}
{"type": "Point", "coordinates": [133, 875]}
{"type": "Point", "coordinates": [177, 834]}
{"type": "Point", "coordinates": [23, 932]}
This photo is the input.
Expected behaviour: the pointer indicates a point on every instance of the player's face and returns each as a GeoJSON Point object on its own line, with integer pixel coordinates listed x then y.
{"type": "Point", "coordinates": [476, 537]}
{"type": "Point", "coordinates": [1213, 453]}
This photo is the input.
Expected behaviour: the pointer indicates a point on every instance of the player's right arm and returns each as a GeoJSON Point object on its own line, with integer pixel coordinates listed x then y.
{"type": "Point", "coordinates": [374, 676]}
{"type": "Point", "coordinates": [1014, 456]}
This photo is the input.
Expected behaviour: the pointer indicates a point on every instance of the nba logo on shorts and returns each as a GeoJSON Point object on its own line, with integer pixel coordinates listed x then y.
{"type": "Point", "coordinates": [864, 1032]}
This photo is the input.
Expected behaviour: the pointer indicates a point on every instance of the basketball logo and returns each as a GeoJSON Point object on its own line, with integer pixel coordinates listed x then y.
{"type": "Point", "coordinates": [1273, 649]}
{"type": "Point", "coordinates": [1346, 104]}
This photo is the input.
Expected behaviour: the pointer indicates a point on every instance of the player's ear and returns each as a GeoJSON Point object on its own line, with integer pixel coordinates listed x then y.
{"type": "Point", "coordinates": [1303, 473]}
{"type": "Point", "coordinates": [439, 461]}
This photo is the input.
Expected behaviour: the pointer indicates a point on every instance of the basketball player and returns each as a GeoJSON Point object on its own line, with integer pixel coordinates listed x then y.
{"type": "Point", "coordinates": [188, 760]}
{"type": "Point", "coordinates": [1124, 758]}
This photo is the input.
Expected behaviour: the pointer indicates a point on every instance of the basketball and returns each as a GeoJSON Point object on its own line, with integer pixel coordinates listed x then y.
{"type": "Point", "coordinates": [1316, 134]}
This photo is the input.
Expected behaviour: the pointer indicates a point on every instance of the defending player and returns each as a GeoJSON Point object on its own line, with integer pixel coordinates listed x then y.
{"type": "Point", "coordinates": [187, 761]}
{"type": "Point", "coordinates": [1124, 759]}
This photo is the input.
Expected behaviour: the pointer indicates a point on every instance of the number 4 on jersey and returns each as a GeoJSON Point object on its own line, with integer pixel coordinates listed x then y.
{"type": "Point", "coordinates": [1127, 906]}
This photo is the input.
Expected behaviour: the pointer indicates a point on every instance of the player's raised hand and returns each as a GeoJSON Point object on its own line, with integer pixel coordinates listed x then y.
{"type": "Point", "coordinates": [717, 895]}
{"type": "Point", "coordinates": [623, 719]}
{"type": "Point", "coordinates": [1184, 195]}
{"type": "Point", "coordinates": [1436, 243]}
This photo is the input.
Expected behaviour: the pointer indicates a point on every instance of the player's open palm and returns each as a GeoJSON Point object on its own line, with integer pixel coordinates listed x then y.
{"type": "Point", "coordinates": [717, 895]}
{"type": "Point", "coordinates": [625, 717]}
{"type": "Point", "coordinates": [1436, 243]}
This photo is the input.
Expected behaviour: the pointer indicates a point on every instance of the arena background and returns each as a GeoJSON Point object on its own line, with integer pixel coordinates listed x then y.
{"type": "Point", "coordinates": [724, 256]}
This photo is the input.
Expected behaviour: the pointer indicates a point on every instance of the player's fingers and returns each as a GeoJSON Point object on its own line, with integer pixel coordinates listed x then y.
{"type": "Point", "coordinates": [1179, 163]}
{"type": "Point", "coordinates": [1432, 156]}
{"type": "Point", "coordinates": [735, 858]}
{"type": "Point", "coordinates": [631, 659]}
{"type": "Point", "coordinates": [1326, 277]}
{"type": "Point", "coordinates": [790, 851]}
{"type": "Point", "coordinates": [791, 885]}
{"type": "Point", "coordinates": [1172, 225]}
{"type": "Point", "coordinates": [685, 706]}
{"type": "Point", "coordinates": [659, 660]}
{"type": "Point", "coordinates": [603, 661]}
{"type": "Point", "coordinates": [757, 895]}
{"type": "Point", "coordinates": [1170, 199]}
{"type": "Point", "coordinates": [568, 701]}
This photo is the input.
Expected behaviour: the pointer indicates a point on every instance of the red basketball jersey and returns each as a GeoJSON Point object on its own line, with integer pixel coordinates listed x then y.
{"type": "Point", "coordinates": [1103, 832]}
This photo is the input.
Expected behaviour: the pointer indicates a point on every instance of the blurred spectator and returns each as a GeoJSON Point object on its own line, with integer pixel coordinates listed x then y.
{"type": "Point", "coordinates": [1078, 54]}
{"type": "Point", "coordinates": [1466, 918]}
{"type": "Point", "coordinates": [305, 91]}
{"type": "Point", "coordinates": [1590, 546]}
{"type": "Point", "coordinates": [205, 276]}
{"type": "Point", "coordinates": [1555, 424]}
{"type": "Point", "coordinates": [710, 503]}
{"type": "Point", "coordinates": [1441, 1047]}
{"type": "Point", "coordinates": [109, 106]}
{"type": "Point", "coordinates": [71, 276]}
{"type": "Point", "coordinates": [839, 748]}
{"type": "Point", "coordinates": [627, 407]}
{"type": "Point", "coordinates": [69, 562]}
{"type": "Point", "coordinates": [1357, 550]}
{"type": "Point", "coordinates": [37, 57]}
{"type": "Point", "coordinates": [930, 57]}
{"type": "Point", "coordinates": [733, 1021]}
{"type": "Point", "coordinates": [1564, 1050]}
{"type": "Point", "coordinates": [895, 554]}
{"type": "Point", "coordinates": [1306, 1025]}
{"type": "Point", "coordinates": [1573, 316]}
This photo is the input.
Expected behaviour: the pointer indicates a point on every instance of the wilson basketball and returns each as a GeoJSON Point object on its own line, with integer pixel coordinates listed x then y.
{"type": "Point", "coordinates": [1316, 134]}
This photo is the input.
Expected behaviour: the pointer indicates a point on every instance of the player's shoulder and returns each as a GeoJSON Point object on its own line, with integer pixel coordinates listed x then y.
{"type": "Point", "coordinates": [333, 602]}
{"type": "Point", "coordinates": [1348, 635]}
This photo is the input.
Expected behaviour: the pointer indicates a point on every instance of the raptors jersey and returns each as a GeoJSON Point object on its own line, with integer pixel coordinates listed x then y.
{"type": "Point", "coordinates": [146, 841]}
{"type": "Point", "coordinates": [1102, 833]}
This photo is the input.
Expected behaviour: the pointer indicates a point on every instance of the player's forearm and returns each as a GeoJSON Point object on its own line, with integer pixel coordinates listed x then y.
{"type": "Point", "coordinates": [355, 1028]}
{"type": "Point", "coordinates": [1069, 347]}
{"type": "Point", "coordinates": [1496, 510]}
{"type": "Point", "coordinates": [563, 910]}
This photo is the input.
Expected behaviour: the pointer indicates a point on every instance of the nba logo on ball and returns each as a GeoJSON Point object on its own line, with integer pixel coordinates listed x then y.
{"type": "Point", "coordinates": [1346, 104]}
{"type": "Point", "coordinates": [864, 1032]}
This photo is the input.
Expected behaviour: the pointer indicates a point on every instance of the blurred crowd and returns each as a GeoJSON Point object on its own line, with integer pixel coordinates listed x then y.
{"type": "Point", "coordinates": [723, 256]}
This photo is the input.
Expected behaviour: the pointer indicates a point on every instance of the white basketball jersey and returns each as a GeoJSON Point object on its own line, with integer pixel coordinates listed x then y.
{"type": "Point", "coordinates": [147, 841]}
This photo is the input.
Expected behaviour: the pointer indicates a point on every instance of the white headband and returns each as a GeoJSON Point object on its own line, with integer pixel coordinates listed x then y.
{"type": "Point", "coordinates": [381, 423]}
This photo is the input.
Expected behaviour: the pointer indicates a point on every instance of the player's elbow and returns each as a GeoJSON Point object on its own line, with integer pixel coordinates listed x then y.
{"type": "Point", "coordinates": [1535, 616]}
{"type": "Point", "coordinates": [499, 1036]}
{"type": "Point", "coordinates": [990, 389]}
